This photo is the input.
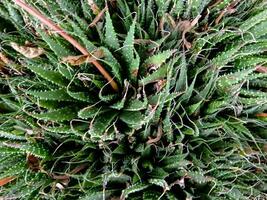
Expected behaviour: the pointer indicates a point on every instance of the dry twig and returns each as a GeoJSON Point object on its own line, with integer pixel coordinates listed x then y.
{"type": "Point", "coordinates": [67, 37]}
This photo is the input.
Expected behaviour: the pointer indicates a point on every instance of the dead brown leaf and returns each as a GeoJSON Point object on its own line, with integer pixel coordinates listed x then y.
{"type": "Point", "coordinates": [158, 137]}
{"type": "Point", "coordinates": [143, 41]}
{"type": "Point", "coordinates": [228, 10]}
{"type": "Point", "coordinates": [81, 59]}
{"type": "Point", "coordinates": [159, 85]}
{"type": "Point", "coordinates": [75, 60]}
{"type": "Point", "coordinates": [185, 26]}
{"type": "Point", "coordinates": [94, 7]}
{"type": "Point", "coordinates": [4, 59]}
{"type": "Point", "coordinates": [28, 51]}
{"type": "Point", "coordinates": [33, 162]}
{"type": "Point", "coordinates": [98, 17]}
{"type": "Point", "coordinates": [113, 3]}
{"type": "Point", "coordinates": [3, 62]}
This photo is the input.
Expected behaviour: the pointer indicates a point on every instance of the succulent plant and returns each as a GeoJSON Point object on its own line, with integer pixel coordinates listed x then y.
{"type": "Point", "coordinates": [138, 99]}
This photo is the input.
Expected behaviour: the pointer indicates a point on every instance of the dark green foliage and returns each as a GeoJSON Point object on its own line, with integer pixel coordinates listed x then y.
{"type": "Point", "coordinates": [189, 119]}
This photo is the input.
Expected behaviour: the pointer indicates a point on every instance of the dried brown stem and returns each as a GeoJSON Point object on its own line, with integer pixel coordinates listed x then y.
{"type": "Point", "coordinates": [261, 69]}
{"type": "Point", "coordinates": [66, 36]}
{"type": "Point", "coordinates": [6, 180]}
{"type": "Point", "coordinates": [261, 115]}
{"type": "Point", "coordinates": [74, 171]}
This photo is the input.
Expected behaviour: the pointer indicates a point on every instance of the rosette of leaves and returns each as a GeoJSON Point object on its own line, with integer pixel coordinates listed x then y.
{"type": "Point", "coordinates": [186, 123]}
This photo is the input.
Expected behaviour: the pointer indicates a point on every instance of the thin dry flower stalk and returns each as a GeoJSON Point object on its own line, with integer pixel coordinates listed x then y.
{"type": "Point", "coordinates": [74, 171]}
{"type": "Point", "coordinates": [6, 180]}
{"type": "Point", "coordinates": [261, 69]}
{"type": "Point", "coordinates": [261, 115]}
{"type": "Point", "coordinates": [66, 36]}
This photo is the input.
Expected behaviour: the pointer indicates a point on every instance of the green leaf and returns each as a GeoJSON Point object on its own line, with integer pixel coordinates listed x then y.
{"type": "Point", "coordinates": [51, 105]}
{"type": "Point", "coordinates": [69, 6]}
{"type": "Point", "coordinates": [182, 83]}
{"type": "Point", "coordinates": [159, 173]}
{"type": "Point", "coordinates": [91, 111]}
{"type": "Point", "coordinates": [36, 149]}
{"type": "Point", "coordinates": [158, 59]}
{"type": "Point", "coordinates": [134, 67]}
{"type": "Point", "coordinates": [62, 114]}
{"type": "Point", "coordinates": [100, 124]}
{"type": "Point", "coordinates": [55, 95]}
{"type": "Point", "coordinates": [193, 108]}
{"type": "Point", "coordinates": [96, 195]}
{"type": "Point", "coordinates": [226, 83]}
{"type": "Point", "coordinates": [159, 182]}
{"type": "Point", "coordinates": [82, 96]}
{"type": "Point", "coordinates": [82, 36]}
{"type": "Point", "coordinates": [198, 177]}
{"type": "Point", "coordinates": [112, 62]}
{"type": "Point", "coordinates": [249, 23]}
{"type": "Point", "coordinates": [52, 76]}
{"type": "Point", "coordinates": [136, 105]}
{"type": "Point", "coordinates": [11, 136]}
{"type": "Point", "coordinates": [159, 74]}
{"type": "Point", "coordinates": [13, 170]}
{"type": "Point", "coordinates": [226, 56]}
{"type": "Point", "coordinates": [162, 6]}
{"type": "Point", "coordinates": [132, 119]}
{"type": "Point", "coordinates": [111, 38]}
{"type": "Point", "coordinates": [54, 44]}
{"type": "Point", "coordinates": [128, 50]}
{"type": "Point", "coordinates": [134, 188]}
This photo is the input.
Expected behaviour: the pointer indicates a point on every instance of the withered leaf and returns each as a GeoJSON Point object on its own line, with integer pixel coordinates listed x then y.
{"type": "Point", "coordinates": [185, 27]}
{"type": "Point", "coordinates": [98, 17]}
{"type": "Point", "coordinates": [75, 60]}
{"type": "Point", "coordinates": [94, 7]}
{"type": "Point", "coordinates": [4, 59]}
{"type": "Point", "coordinates": [81, 59]}
{"type": "Point", "coordinates": [28, 51]}
{"type": "Point", "coordinates": [228, 10]}
{"type": "Point", "coordinates": [33, 162]}
{"type": "Point", "coordinates": [158, 137]}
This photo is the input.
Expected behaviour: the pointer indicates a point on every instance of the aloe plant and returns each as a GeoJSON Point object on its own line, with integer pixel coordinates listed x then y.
{"type": "Point", "coordinates": [133, 99]}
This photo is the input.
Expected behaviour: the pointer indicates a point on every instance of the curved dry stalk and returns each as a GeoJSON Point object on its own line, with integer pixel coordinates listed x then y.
{"type": "Point", "coordinates": [34, 12]}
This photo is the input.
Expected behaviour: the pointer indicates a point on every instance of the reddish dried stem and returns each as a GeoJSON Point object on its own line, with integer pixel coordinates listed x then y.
{"type": "Point", "coordinates": [66, 36]}
{"type": "Point", "coordinates": [261, 115]}
{"type": "Point", "coordinates": [261, 69]}
{"type": "Point", "coordinates": [6, 180]}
